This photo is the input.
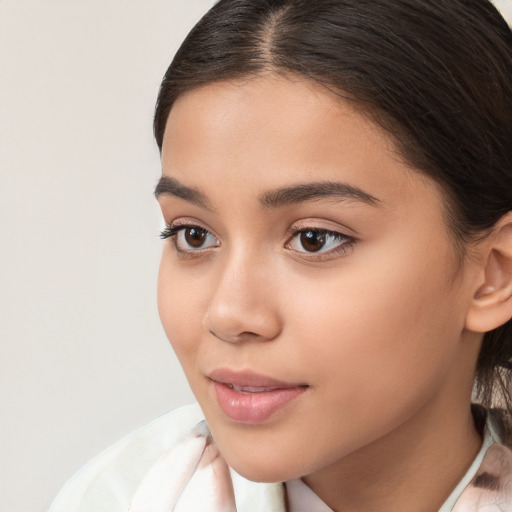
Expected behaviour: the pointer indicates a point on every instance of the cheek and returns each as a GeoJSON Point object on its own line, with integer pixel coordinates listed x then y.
{"type": "Point", "coordinates": [180, 299]}
{"type": "Point", "coordinates": [378, 321]}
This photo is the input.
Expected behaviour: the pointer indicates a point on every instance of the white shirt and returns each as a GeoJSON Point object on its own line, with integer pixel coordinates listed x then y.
{"type": "Point", "coordinates": [130, 476]}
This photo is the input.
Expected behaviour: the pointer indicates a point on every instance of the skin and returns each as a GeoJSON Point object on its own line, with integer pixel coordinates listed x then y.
{"type": "Point", "coordinates": [374, 324]}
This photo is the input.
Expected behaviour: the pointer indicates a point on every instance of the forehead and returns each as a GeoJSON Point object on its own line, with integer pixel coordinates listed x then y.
{"type": "Point", "coordinates": [269, 132]}
{"type": "Point", "coordinates": [277, 106]}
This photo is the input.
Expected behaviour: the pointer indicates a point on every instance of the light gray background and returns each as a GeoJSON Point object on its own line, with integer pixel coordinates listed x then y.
{"type": "Point", "coordinates": [83, 359]}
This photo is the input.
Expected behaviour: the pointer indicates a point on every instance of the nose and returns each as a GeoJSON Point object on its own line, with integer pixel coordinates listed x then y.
{"type": "Point", "coordinates": [243, 306]}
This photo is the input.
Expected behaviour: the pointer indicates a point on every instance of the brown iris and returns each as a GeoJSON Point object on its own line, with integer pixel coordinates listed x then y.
{"type": "Point", "coordinates": [312, 241]}
{"type": "Point", "coordinates": [195, 237]}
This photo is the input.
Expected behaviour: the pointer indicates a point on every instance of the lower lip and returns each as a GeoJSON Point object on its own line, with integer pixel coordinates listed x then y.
{"type": "Point", "coordinates": [253, 408]}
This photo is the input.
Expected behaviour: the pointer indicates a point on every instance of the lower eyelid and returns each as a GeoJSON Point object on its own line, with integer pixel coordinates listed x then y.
{"type": "Point", "coordinates": [339, 251]}
{"type": "Point", "coordinates": [346, 243]}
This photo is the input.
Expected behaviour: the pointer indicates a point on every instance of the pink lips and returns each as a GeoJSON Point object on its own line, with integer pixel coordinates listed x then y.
{"type": "Point", "coordinates": [246, 397]}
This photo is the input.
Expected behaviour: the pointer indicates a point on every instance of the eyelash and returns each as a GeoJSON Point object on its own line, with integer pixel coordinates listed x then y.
{"type": "Point", "coordinates": [172, 231]}
{"type": "Point", "coordinates": [346, 242]}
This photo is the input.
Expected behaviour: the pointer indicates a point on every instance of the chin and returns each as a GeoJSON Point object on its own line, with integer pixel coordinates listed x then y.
{"type": "Point", "coordinates": [260, 465]}
{"type": "Point", "coordinates": [260, 453]}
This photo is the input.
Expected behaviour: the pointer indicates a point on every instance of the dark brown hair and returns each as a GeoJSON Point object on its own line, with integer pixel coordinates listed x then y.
{"type": "Point", "coordinates": [435, 74]}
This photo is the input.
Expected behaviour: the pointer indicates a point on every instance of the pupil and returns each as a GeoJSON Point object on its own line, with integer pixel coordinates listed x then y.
{"type": "Point", "coordinates": [195, 237]}
{"type": "Point", "coordinates": [312, 241]}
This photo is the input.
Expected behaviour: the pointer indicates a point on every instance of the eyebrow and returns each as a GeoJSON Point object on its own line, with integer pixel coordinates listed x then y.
{"type": "Point", "coordinates": [316, 190]}
{"type": "Point", "coordinates": [168, 186]}
{"type": "Point", "coordinates": [275, 198]}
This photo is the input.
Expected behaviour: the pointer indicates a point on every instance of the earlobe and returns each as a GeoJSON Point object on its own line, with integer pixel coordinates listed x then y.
{"type": "Point", "coordinates": [491, 305]}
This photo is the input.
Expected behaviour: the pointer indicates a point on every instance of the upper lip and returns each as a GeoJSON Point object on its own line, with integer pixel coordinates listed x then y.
{"type": "Point", "coordinates": [248, 378]}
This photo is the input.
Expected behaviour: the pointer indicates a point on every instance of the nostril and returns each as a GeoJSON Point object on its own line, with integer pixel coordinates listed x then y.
{"type": "Point", "coordinates": [236, 338]}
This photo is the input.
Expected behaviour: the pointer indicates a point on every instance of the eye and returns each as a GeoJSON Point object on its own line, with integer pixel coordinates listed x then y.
{"type": "Point", "coordinates": [320, 241]}
{"type": "Point", "coordinates": [190, 238]}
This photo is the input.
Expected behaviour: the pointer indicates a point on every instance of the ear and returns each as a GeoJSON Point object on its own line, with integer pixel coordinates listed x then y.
{"type": "Point", "coordinates": [491, 305]}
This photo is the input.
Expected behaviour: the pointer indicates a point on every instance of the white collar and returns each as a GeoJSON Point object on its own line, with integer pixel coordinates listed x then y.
{"type": "Point", "coordinates": [302, 499]}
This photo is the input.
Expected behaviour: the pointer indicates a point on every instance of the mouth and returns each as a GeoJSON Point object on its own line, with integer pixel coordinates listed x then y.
{"type": "Point", "coordinates": [250, 389]}
{"type": "Point", "coordinates": [249, 398]}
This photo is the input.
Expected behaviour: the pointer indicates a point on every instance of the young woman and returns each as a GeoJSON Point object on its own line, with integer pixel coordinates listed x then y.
{"type": "Point", "coordinates": [337, 265]}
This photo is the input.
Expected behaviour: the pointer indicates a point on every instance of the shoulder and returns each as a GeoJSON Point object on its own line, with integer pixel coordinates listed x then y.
{"type": "Point", "coordinates": [109, 480]}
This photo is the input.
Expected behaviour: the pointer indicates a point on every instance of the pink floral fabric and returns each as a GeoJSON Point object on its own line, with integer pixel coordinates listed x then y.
{"type": "Point", "coordinates": [193, 476]}
{"type": "Point", "coordinates": [490, 489]}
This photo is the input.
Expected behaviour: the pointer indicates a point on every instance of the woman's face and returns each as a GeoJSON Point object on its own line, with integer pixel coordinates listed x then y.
{"type": "Point", "coordinates": [308, 285]}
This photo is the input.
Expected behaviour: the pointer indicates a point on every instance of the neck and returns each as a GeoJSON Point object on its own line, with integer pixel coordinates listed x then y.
{"type": "Point", "coordinates": [428, 453]}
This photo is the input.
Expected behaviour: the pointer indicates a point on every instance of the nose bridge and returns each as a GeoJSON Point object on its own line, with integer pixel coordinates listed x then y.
{"type": "Point", "coordinates": [242, 304]}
